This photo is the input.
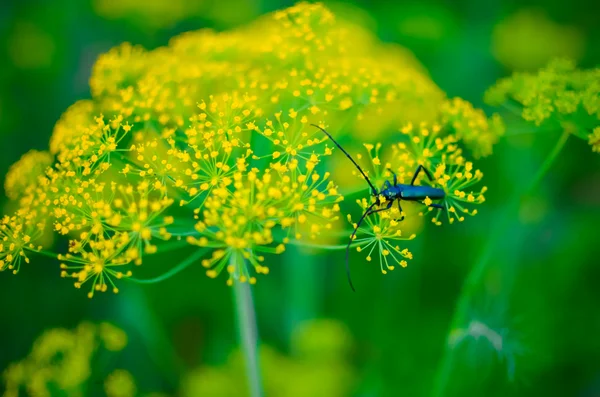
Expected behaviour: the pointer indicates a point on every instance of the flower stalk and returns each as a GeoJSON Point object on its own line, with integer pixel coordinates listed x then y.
{"type": "Point", "coordinates": [478, 271]}
{"type": "Point", "coordinates": [248, 334]}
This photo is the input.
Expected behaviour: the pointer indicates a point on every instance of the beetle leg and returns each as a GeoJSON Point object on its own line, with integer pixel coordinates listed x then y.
{"type": "Point", "coordinates": [419, 168]}
{"type": "Point", "coordinates": [387, 207]}
{"type": "Point", "coordinates": [400, 209]}
{"type": "Point", "coordinates": [435, 205]}
{"type": "Point", "coordinates": [395, 177]}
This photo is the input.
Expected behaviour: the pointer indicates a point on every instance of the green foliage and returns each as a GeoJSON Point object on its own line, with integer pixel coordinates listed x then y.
{"type": "Point", "coordinates": [517, 321]}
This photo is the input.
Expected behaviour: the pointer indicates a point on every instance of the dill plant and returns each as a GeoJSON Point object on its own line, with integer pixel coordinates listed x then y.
{"type": "Point", "coordinates": [73, 362]}
{"type": "Point", "coordinates": [61, 359]}
{"type": "Point", "coordinates": [558, 98]}
{"type": "Point", "coordinates": [207, 142]}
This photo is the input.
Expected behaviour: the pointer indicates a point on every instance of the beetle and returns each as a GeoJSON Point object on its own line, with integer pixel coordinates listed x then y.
{"type": "Point", "coordinates": [388, 194]}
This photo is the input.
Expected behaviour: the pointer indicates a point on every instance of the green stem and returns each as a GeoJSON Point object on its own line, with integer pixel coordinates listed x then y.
{"type": "Point", "coordinates": [180, 267]}
{"type": "Point", "coordinates": [172, 245]}
{"type": "Point", "coordinates": [515, 109]}
{"type": "Point", "coordinates": [548, 162]}
{"type": "Point", "coordinates": [246, 320]}
{"type": "Point", "coordinates": [42, 252]}
{"type": "Point", "coordinates": [478, 271]}
{"type": "Point", "coordinates": [322, 246]}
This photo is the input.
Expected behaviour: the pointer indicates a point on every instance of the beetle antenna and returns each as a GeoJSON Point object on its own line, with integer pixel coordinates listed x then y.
{"type": "Point", "coordinates": [350, 242]}
{"type": "Point", "coordinates": [351, 159]}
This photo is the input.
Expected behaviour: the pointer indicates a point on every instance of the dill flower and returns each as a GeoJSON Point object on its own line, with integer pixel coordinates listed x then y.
{"type": "Point", "coordinates": [59, 359]}
{"type": "Point", "coordinates": [297, 58]}
{"type": "Point", "coordinates": [558, 95]}
{"type": "Point", "coordinates": [379, 235]}
{"type": "Point", "coordinates": [312, 197]}
{"type": "Point", "coordinates": [99, 261]}
{"type": "Point", "coordinates": [113, 218]}
{"type": "Point", "coordinates": [120, 383]}
{"type": "Point", "coordinates": [456, 177]}
{"type": "Point", "coordinates": [471, 126]}
{"type": "Point", "coordinates": [239, 227]}
{"type": "Point", "coordinates": [91, 144]}
{"type": "Point", "coordinates": [16, 239]}
{"type": "Point", "coordinates": [437, 150]}
{"type": "Point", "coordinates": [111, 228]}
{"type": "Point", "coordinates": [76, 115]}
{"type": "Point", "coordinates": [25, 230]}
{"type": "Point", "coordinates": [216, 144]}
{"type": "Point", "coordinates": [594, 140]}
{"type": "Point", "coordinates": [113, 337]}
{"type": "Point", "coordinates": [312, 202]}
{"type": "Point", "coordinates": [322, 339]}
{"type": "Point", "coordinates": [113, 70]}
{"type": "Point", "coordinates": [209, 138]}
{"type": "Point", "coordinates": [292, 139]}
{"type": "Point", "coordinates": [25, 172]}
{"type": "Point", "coordinates": [428, 146]}
{"type": "Point", "coordinates": [238, 221]}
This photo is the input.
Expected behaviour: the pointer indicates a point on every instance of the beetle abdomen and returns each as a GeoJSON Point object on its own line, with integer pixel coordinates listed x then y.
{"type": "Point", "coordinates": [417, 193]}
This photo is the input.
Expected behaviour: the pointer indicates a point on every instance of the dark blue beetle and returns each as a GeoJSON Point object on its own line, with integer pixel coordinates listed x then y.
{"type": "Point", "coordinates": [391, 193]}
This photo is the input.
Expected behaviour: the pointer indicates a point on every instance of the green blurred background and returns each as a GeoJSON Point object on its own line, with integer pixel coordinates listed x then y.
{"type": "Point", "coordinates": [540, 292]}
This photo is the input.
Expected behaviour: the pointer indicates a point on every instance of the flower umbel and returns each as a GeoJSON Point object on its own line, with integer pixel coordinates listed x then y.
{"type": "Point", "coordinates": [98, 261]}
{"type": "Point", "coordinates": [378, 236]}
{"type": "Point", "coordinates": [16, 238]}
{"type": "Point", "coordinates": [594, 140]}
{"type": "Point", "coordinates": [60, 359]}
{"type": "Point", "coordinates": [26, 172]}
{"type": "Point", "coordinates": [558, 95]}
{"type": "Point", "coordinates": [451, 171]}
{"type": "Point", "coordinates": [208, 141]}
{"type": "Point", "coordinates": [238, 220]}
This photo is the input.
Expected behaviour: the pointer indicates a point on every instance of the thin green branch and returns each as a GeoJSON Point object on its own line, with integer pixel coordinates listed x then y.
{"type": "Point", "coordinates": [177, 269]}
{"type": "Point", "coordinates": [172, 246]}
{"type": "Point", "coordinates": [478, 271]}
{"type": "Point", "coordinates": [323, 246]}
{"type": "Point", "coordinates": [548, 162]}
{"type": "Point", "coordinates": [52, 255]}
{"type": "Point", "coordinates": [248, 333]}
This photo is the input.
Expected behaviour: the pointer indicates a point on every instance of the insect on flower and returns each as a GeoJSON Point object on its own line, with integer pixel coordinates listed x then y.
{"type": "Point", "coordinates": [390, 193]}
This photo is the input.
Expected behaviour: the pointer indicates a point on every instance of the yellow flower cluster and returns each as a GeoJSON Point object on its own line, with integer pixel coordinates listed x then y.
{"type": "Point", "coordinates": [594, 140]}
{"type": "Point", "coordinates": [210, 138]}
{"type": "Point", "coordinates": [429, 146]}
{"type": "Point", "coordinates": [379, 234]}
{"type": "Point", "coordinates": [62, 360]}
{"type": "Point", "coordinates": [471, 126]}
{"type": "Point", "coordinates": [17, 235]}
{"type": "Point", "coordinates": [120, 383]}
{"type": "Point", "coordinates": [437, 148]}
{"type": "Point", "coordinates": [30, 167]}
{"type": "Point", "coordinates": [558, 96]}
{"type": "Point", "coordinates": [238, 218]}
{"type": "Point", "coordinates": [67, 360]}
